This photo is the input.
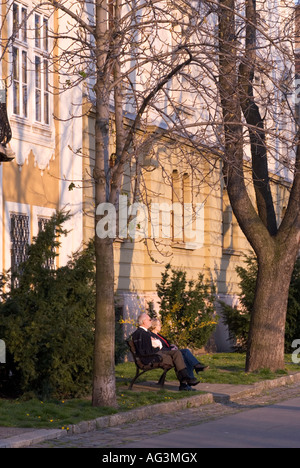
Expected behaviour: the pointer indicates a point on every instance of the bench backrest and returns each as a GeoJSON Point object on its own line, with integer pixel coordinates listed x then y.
{"type": "Point", "coordinates": [138, 361]}
{"type": "Point", "coordinates": [132, 349]}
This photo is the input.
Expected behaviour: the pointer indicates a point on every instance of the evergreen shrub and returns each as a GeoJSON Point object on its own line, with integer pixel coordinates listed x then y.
{"type": "Point", "coordinates": [187, 308]}
{"type": "Point", "coordinates": [47, 320]}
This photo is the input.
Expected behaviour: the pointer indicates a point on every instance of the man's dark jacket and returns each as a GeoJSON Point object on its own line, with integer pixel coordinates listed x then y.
{"type": "Point", "coordinates": [144, 349]}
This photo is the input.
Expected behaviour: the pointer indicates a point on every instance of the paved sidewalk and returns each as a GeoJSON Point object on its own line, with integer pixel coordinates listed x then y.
{"type": "Point", "coordinates": [215, 393]}
{"type": "Point", "coordinates": [253, 422]}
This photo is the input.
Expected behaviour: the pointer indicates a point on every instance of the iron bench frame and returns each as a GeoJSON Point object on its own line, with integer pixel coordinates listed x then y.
{"type": "Point", "coordinates": [143, 368]}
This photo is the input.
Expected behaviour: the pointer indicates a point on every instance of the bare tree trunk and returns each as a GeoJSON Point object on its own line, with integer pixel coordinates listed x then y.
{"type": "Point", "coordinates": [275, 268]}
{"type": "Point", "coordinates": [104, 386]}
{"type": "Point", "coordinates": [267, 330]}
{"type": "Point", "coordinates": [276, 250]}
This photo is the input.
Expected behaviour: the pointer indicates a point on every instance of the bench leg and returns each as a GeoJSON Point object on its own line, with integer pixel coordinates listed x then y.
{"type": "Point", "coordinates": [133, 380]}
{"type": "Point", "coordinates": [137, 375]}
{"type": "Point", "coordinates": [162, 379]}
{"type": "Point", "coordinates": [140, 372]}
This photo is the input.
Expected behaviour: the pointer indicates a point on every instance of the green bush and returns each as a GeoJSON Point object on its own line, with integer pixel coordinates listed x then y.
{"type": "Point", "coordinates": [186, 308]}
{"type": "Point", "coordinates": [47, 320]}
{"type": "Point", "coordinates": [238, 318]}
{"type": "Point", "coordinates": [292, 329]}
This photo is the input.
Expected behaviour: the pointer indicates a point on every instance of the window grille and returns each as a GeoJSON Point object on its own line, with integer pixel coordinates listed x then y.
{"type": "Point", "coordinates": [50, 262]}
{"type": "Point", "coordinates": [19, 235]}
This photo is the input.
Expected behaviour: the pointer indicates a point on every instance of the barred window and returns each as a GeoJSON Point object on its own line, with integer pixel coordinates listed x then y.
{"type": "Point", "coordinates": [50, 263]}
{"type": "Point", "coordinates": [19, 235]}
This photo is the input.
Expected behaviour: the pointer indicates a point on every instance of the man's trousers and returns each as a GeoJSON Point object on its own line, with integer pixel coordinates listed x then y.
{"type": "Point", "coordinates": [171, 358]}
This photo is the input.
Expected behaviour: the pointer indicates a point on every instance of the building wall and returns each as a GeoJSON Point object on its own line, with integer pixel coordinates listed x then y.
{"type": "Point", "coordinates": [138, 268]}
{"type": "Point", "coordinates": [36, 182]}
{"type": "Point", "coordinates": [50, 156]}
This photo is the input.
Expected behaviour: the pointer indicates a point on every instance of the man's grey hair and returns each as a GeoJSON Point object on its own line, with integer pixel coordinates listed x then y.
{"type": "Point", "coordinates": [141, 318]}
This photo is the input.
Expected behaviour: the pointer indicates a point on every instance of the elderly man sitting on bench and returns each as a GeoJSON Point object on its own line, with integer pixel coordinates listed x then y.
{"type": "Point", "coordinates": [147, 352]}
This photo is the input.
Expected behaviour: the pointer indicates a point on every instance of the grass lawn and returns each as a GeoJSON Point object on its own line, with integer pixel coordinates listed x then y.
{"type": "Point", "coordinates": [57, 414]}
{"type": "Point", "coordinates": [223, 368]}
{"type": "Point", "coordinates": [229, 368]}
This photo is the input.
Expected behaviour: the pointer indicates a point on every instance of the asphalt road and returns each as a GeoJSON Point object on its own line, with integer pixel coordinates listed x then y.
{"type": "Point", "coordinates": [276, 426]}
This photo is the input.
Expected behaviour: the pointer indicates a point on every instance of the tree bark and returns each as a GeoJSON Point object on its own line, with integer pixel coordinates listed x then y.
{"type": "Point", "coordinates": [267, 329]}
{"type": "Point", "coordinates": [104, 386]}
{"type": "Point", "coordinates": [276, 249]}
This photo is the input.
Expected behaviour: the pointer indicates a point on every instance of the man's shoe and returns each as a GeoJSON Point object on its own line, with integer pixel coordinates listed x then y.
{"type": "Point", "coordinates": [200, 368]}
{"type": "Point", "coordinates": [186, 388]}
{"type": "Point", "coordinates": [193, 381]}
{"type": "Point", "coordinates": [183, 377]}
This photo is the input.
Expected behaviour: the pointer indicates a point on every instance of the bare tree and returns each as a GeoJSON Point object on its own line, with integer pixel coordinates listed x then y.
{"type": "Point", "coordinates": [245, 89]}
{"type": "Point", "coordinates": [241, 87]}
{"type": "Point", "coordinates": [200, 74]}
{"type": "Point", "coordinates": [276, 246]}
{"type": "Point", "coordinates": [104, 45]}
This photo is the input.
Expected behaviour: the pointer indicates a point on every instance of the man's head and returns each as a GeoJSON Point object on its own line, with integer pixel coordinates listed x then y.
{"type": "Point", "coordinates": [144, 320]}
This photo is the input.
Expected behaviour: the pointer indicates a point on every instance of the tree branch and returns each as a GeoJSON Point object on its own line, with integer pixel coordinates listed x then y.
{"type": "Point", "coordinates": [118, 168]}
{"type": "Point", "coordinates": [260, 173]}
{"type": "Point", "coordinates": [233, 159]}
{"type": "Point", "coordinates": [59, 6]}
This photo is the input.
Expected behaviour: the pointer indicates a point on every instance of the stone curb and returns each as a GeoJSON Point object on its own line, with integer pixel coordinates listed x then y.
{"type": "Point", "coordinates": [30, 438]}
{"type": "Point", "coordinates": [142, 413]}
{"type": "Point", "coordinates": [259, 387]}
{"type": "Point", "coordinates": [40, 435]}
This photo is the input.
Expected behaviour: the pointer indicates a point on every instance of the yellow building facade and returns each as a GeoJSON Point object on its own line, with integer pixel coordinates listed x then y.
{"type": "Point", "coordinates": [35, 183]}
{"type": "Point", "coordinates": [222, 247]}
{"type": "Point", "coordinates": [45, 144]}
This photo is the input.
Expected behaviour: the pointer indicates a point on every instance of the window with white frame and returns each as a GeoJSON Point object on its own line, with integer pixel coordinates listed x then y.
{"type": "Point", "coordinates": [41, 69]}
{"type": "Point", "coordinates": [30, 63]}
{"type": "Point", "coordinates": [20, 61]}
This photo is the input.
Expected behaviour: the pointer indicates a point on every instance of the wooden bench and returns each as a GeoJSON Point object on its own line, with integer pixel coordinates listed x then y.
{"type": "Point", "coordinates": [143, 368]}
